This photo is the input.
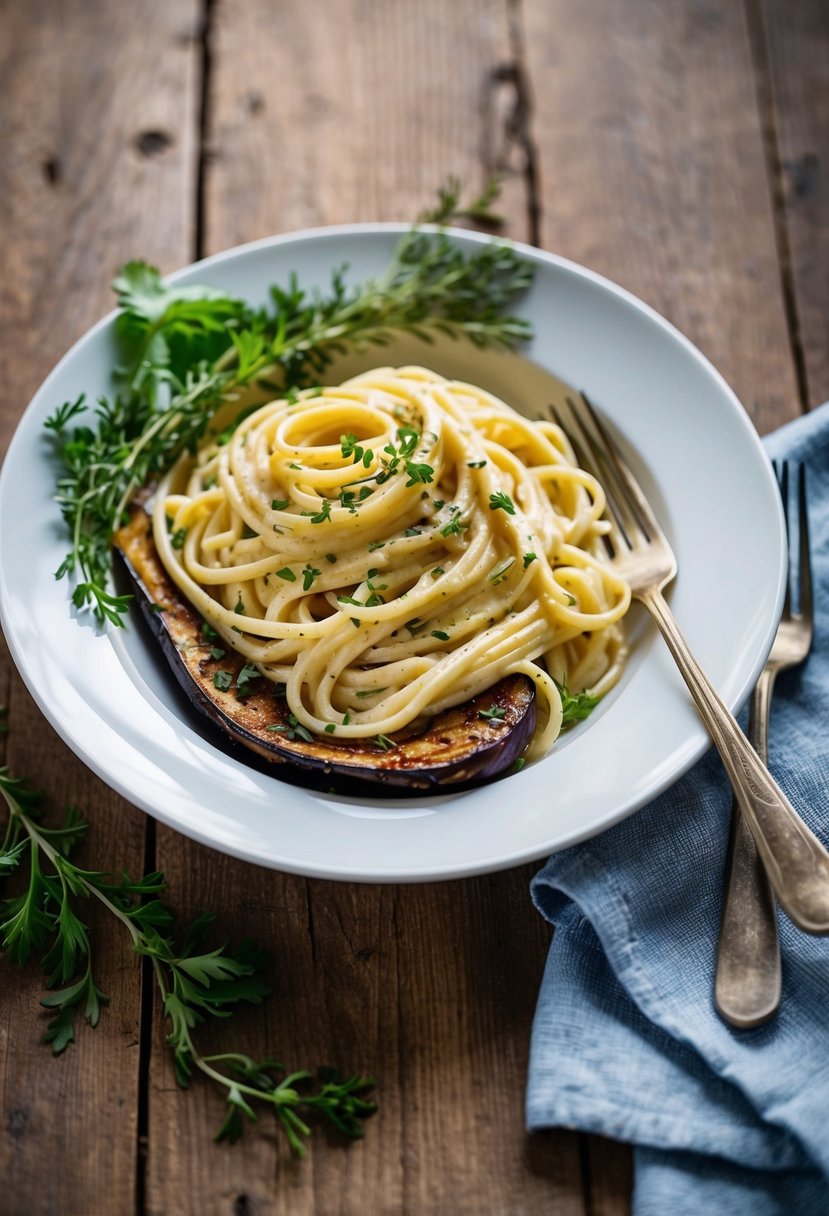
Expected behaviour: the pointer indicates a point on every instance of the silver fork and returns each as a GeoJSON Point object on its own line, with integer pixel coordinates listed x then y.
{"type": "Point", "coordinates": [796, 862]}
{"type": "Point", "coordinates": [747, 984]}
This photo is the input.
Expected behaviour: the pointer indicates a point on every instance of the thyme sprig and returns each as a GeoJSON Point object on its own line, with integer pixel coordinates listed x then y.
{"type": "Point", "coordinates": [575, 706]}
{"type": "Point", "coordinates": [186, 351]}
{"type": "Point", "coordinates": [194, 983]}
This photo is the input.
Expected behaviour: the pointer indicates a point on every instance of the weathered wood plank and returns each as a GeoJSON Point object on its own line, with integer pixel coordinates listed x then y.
{"type": "Point", "coordinates": [430, 988]}
{"type": "Point", "coordinates": [650, 153]}
{"type": "Point", "coordinates": [97, 140]}
{"type": "Point", "coordinates": [794, 45]}
{"type": "Point", "coordinates": [609, 1168]}
{"type": "Point", "coordinates": [340, 112]}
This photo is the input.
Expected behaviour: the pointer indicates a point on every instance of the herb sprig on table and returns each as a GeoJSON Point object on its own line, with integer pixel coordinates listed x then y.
{"type": "Point", "coordinates": [186, 351]}
{"type": "Point", "coordinates": [45, 919]}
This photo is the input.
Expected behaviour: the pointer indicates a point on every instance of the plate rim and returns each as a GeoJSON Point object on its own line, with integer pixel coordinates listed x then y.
{"type": "Point", "coordinates": [450, 870]}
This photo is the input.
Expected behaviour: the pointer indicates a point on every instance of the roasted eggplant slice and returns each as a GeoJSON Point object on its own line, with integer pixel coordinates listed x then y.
{"type": "Point", "coordinates": [458, 750]}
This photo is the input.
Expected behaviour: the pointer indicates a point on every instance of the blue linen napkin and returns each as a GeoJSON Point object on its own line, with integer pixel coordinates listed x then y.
{"type": "Point", "coordinates": [626, 1041]}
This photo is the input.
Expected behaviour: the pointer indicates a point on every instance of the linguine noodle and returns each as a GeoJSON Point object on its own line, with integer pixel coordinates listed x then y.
{"type": "Point", "coordinates": [394, 546]}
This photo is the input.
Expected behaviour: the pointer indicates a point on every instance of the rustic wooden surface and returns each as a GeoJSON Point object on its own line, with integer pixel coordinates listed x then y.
{"type": "Point", "coordinates": [682, 149]}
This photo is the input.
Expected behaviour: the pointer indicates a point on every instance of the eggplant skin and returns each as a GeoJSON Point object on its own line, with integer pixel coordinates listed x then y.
{"type": "Point", "coordinates": [458, 750]}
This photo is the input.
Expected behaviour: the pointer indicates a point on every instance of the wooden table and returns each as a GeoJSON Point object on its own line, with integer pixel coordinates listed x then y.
{"type": "Point", "coordinates": [680, 148]}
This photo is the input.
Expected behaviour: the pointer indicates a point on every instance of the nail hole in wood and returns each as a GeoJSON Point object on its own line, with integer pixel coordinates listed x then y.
{"type": "Point", "coordinates": [151, 143]}
{"type": "Point", "coordinates": [52, 170]}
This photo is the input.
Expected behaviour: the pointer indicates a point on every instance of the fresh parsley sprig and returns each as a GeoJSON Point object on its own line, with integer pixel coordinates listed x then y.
{"type": "Point", "coordinates": [187, 350]}
{"type": "Point", "coordinates": [194, 983]}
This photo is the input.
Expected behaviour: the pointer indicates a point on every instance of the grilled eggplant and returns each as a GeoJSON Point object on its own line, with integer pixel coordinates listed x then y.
{"type": "Point", "coordinates": [458, 750]}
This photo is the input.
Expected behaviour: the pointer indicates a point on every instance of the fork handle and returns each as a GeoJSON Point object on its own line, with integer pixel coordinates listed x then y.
{"type": "Point", "coordinates": [748, 980]}
{"type": "Point", "coordinates": [796, 862]}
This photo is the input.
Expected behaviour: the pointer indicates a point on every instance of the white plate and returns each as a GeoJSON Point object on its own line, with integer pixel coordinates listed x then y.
{"type": "Point", "coordinates": [699, 458]}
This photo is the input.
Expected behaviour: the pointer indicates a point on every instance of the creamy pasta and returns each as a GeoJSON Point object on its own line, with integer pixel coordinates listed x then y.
{"type": "Point", "coordinates": [394, 546]}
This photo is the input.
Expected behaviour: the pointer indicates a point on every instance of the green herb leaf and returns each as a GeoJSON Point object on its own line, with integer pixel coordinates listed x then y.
{"type": "Point", "coordinates": [195, 982]}
{"type": "Point", "coordinates": [499, 501]}
{"type": "Point", "coordinates": [575, 707]}
{"type": "Point", "coordinates": [309, 573]}
{"type": "Point", "coordinates": [245, 680]}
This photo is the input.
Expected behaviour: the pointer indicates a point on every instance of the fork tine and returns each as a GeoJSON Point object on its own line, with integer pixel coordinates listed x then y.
{"type": "Point", "coordinates": [635, 500]}
{"type": "Point", "coordinates": [804, 563]}
{"type": "Point", "coordinates": [587, 457]}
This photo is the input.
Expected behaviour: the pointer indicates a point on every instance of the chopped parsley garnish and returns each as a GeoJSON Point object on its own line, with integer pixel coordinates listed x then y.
{"type": "Point", "coordinates": [178, 538]}
{"type": "Point", "coordinates": [279, 504]}
{"type": "Point", "coordinates": [495, 714]}
{"type": "Point", "coordinates": [208, 632]}
{"type": "Point", "coordinates": [408, 438]}
{"type": "Point", "coordinates": [330, 728]}
{"type": "Point", "coordinates": [246, 677]}
{"type": "Point", "coordinates": [369, 692]}
{"type": "Point", "coordinates": [309, 573]}
{"type": "Point", "coordinates": [475, 464]}
{"type": "Point", "coordinates": [440, 635]}
{"type": "Point", "coordinates": [323, 514]}
{"type": "Point", "coordinates": [299, 730]}
{"type": "Point", "coordinates": [499, 501]}
{"type": "Point", "coordinates": [216, 652]}
{"type": "Point", "coordinates": [348, 447]}
{"type": "Point", "coordinates": [240, 606]}
{"type": "Point", "coordinates": [223, 680]}
{"type": "Point", "coordinates": [287, 573]}
{"type": "Point", "coordinates": [528, 559]}
{"type": "Point", "coordinates": [384, 742]}
{"type": "Point", "coordinates": [294, 730]}
{"type": "Point", "coordinates": [419, 473]}
{"type": "Point", "coordinates": [438, 571]}
{"type": "Point", "coordinates": [455, 526]}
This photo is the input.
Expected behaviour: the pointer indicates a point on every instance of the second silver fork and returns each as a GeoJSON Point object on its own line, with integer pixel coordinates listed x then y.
{"type": "Point", "coordinates": [747, 984]}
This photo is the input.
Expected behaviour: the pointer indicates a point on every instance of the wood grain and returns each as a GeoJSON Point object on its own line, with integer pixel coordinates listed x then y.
{"type": "Point", "coordinates": [793, 48]}
{"type": "Point", "coordinates": [651, 160]}
{"type": "Point", "coordinates": [430, 988]}
{"type": "Point", "coordinates": [84, 84]}
{"type": "Point", "coordinates": [341, 111]}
